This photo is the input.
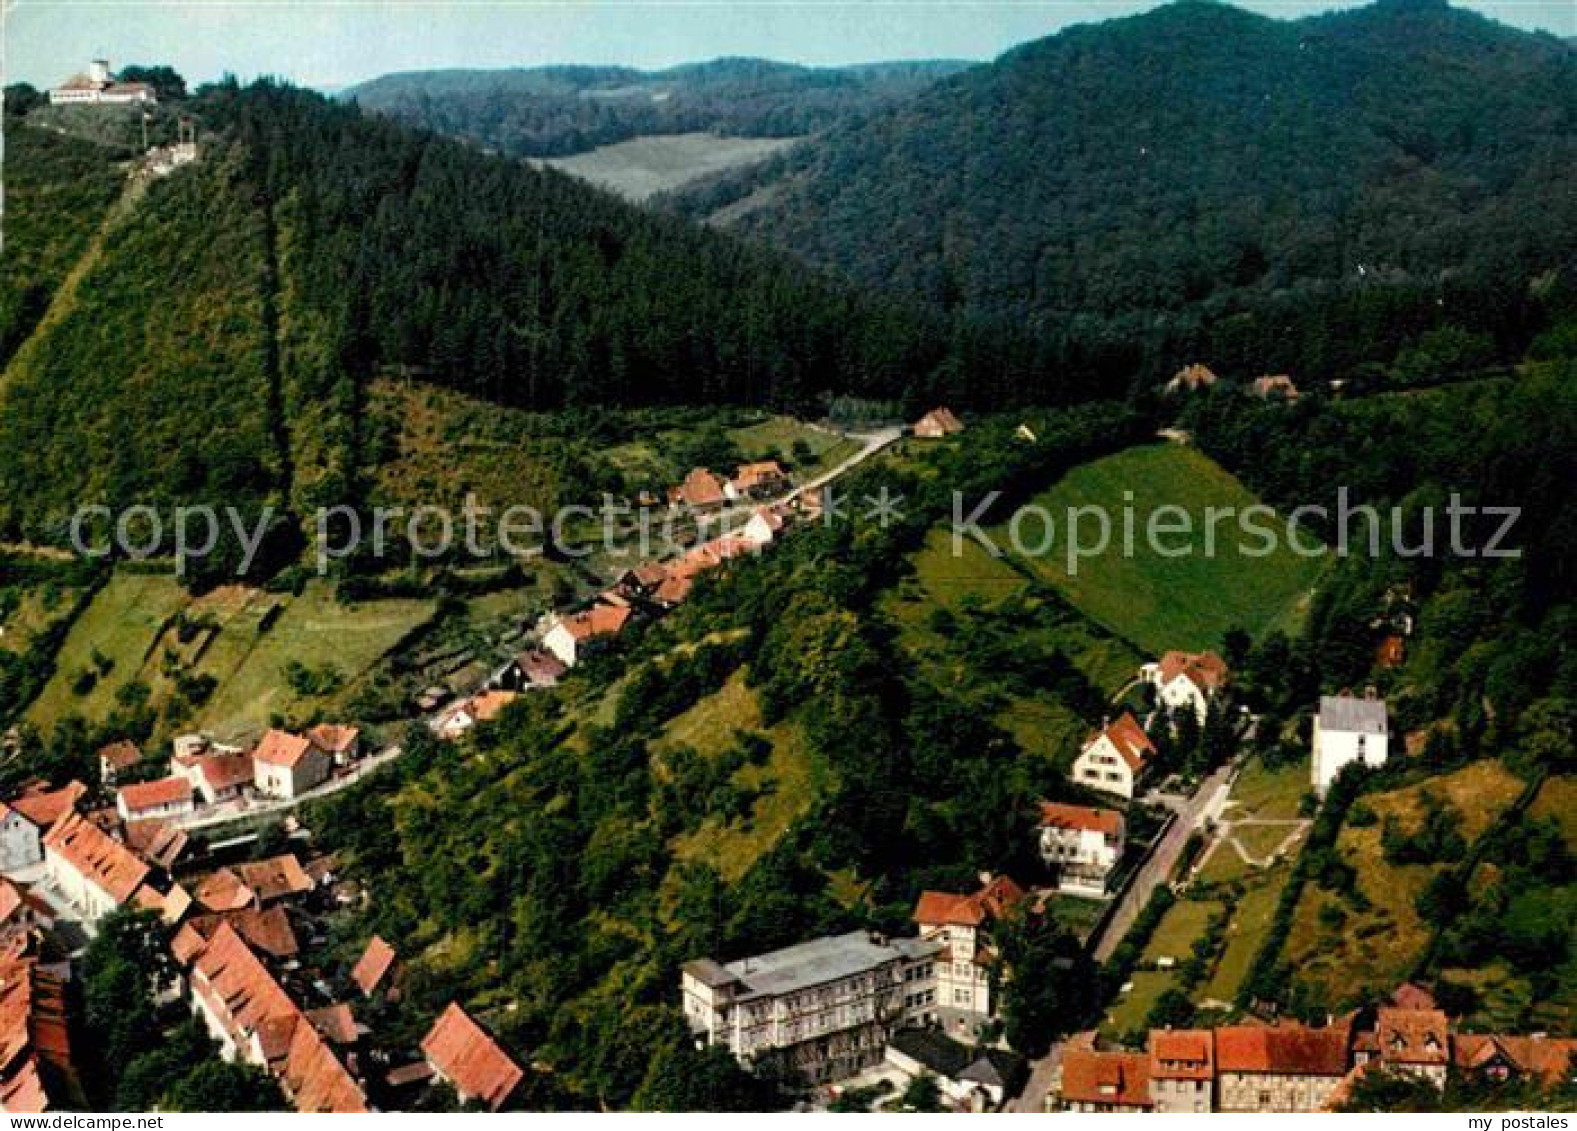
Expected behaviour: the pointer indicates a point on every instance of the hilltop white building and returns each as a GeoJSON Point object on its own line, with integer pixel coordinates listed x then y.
{"type": "Point", "coordinates": [99, 87]}
{"type": "Point", "coordinates": [1347, 730]}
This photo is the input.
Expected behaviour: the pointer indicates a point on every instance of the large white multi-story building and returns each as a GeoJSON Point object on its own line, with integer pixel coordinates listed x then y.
{"type": "Point", "coordinates": [1082, 844]}
{"type": "Point", "coordinates": [826, 1007]}
{"type": "Point", "coordinates": [1347, 730]}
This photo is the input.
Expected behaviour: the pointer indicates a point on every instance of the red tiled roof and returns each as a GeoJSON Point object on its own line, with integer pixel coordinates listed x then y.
{"type": "Point", "coordinates": [461, 1052]}
{"type": "Point", "coordinates": [249, 1002]}
{"type": "Point", "coordinates": [373, 965]}
{"type": "Point", "coordinates": [749, 476]}
{"type": "Point", "coordinates": [1548, 1060]}
{"type": "Point", "coordinates": [699, 489]}
{"type": "Point", "coordinates": [939, 908]}
{"type": "Point", "coordinates": [1120, 1079]}
{"type": "Point", "coordinates": [1410, 995]}
{"type": "Point", "coordinates": [1292, 1050]}
{"type": "Point", "coordinates": [1206, 670]}
{"type": "Point", "coordinates": [281, 748]}
{"type": "Point", "coordinates": [332, 738]}
{"type": "Point", "coordinates": [156, 794]}
{"type": "Point", "coordinates": [599, 620]}
{"type": "Point", "coordinates": [315, 1079]}
{"type": "Point", "coordinates": [46, 806]}
{"type": "Point", "coordinates": [225, 771]}
{"type": "Point", "coordinates": [89, 850]}
{"type": "Point", "coordinates": [268, 930]}
{"type": "Point", "coordinates": [275, 877]}
{"type": "Point", "coordinates": [1054, 814]}
{"type": "Point", "coordinates": [1180, 1054]}
{"type": "Point", "coordinates": [1413, 1036]}
{"type": "Point", "coordinates": [35, 1050]}
{"type": "Point", "coordinates": [1133, 745]}
{"type": "Point", "coordinates": [156, 840]}
{"type": "Point", "coordinates": [224, 891]}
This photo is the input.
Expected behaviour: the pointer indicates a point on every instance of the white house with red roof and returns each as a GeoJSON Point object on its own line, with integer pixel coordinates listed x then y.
{"type": "Point", "coordinates": [1186, 679]}
{"type": "Point", "coordinates": [1082, 844]}
{"type": "Point", "coordinates": [963, 969]}
{"type": "Point", "coordinates": [165, 797]}
{"type": "Point", "coordinates": [286, 765]}
{"type": "Point", "coordinates": [1115, 757]}
{"type": "Point", "coordinates": [570, 637]}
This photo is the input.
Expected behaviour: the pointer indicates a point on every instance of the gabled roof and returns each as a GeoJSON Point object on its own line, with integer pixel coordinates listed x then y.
{"type": "Point", "coordinates": [315, 1079]}
{"type": "Point", "coordinates": [46, 806]}
{"type": "Point", "coordinates": [1549, 1060]}
{"type": "Point", "coordinates": [461, 1052]}
{"type": "Point", "coordinates": [1132, 744]}
{"type": "Point", "coordinates": [699, 489]}
{"type": "Point", "coordinates": [157, 841]}
{"type": "Point", "coordinates": [373, 965]}
{"type": "Point", "coordinates": [1181, 1054]}
{"type": "Point", "coordinates": [156, 794]}
{"type": "Point", "coordinates": [268, 930]}
{"type": "Point", "coordinates": [1413, 1036]}
{"type": "Point", "coordinates": [1291, 1050]}
{"type": "Point", "coordinates": [540, 667]}
{"type": "Point", "coordinates": [939, 908]}
{"type": "Point", "coordinates": [940, 420]}
{"type": "Point", "coordinates": [274, 878]}
{"type": "Point", "coordinates": [1205, 670]}
{"type": "Point", "coordinates": [599, 620]}
{"type": "Point", "coordinates": [1120, 1079]}
{"type": "Point", "coordinates": [281, 748]}
{"type": "Point", "coordinates": [225, 771]}
{"type": "Point", "coordinates": [333, 738]}
{"type": "Point", "coordinates": [1056, 815]}
{"type": "Point", "coordinates": [488, 705]}
{"type": "Point", "coordinates": [1352, 715]}
{"type": "Point", "coordinates": [224, 891]}
{"type": "Point", "coordinates": [96, 856]}
{"type": "Point", "coordinates": [749, 476]}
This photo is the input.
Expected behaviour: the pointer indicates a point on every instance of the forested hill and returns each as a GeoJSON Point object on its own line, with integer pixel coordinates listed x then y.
{"type": "Point", "coordinates": [552, 111]}
{"type": "Point", "coordinates": [1162, 176]}
{"type": "Point", "coordinates": [214, 333]}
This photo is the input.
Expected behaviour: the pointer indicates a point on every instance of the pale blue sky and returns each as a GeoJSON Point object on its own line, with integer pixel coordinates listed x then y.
{"type": "Point", "coordinates": [336, 42]}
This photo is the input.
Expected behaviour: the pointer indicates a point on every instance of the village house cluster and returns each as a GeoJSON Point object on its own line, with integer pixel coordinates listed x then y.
{"type": "Point", "coordinates": [834, 1008]}
{"type": "Point", "coordinates": [241, 936]}
{"type": "Point", "coordinates": [1289, 1067]}
{"type": "Point", "coordinates": [205, 777]}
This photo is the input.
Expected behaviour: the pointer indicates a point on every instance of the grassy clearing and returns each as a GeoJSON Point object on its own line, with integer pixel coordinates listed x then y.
{"type": "Point", "coordinates": [1183, 923]}
{"type": "Point", "coordinates": [1131, 1009]}
{"type": "Point", "coordinates": [968, 581]}
{"type": "Point", "coordinates": [1246, 930]}
{"type": "Point", "coordinates": [112, 638]}
{"type": "Point", "coordinates": [644, 166]}
{"type": "Point", "coordinates": [775, 439]}
{"type": "Point", "coordinates": [1260, 841]}
{"type": "Point", "coordinates": [1372, 949]}
{"type": "Point", "coordinates": [1161, 602]}
{"type": "Point", "coordinates": [316, 630]}
{"type": "Point", "coordinates": [786, 783]}
{"type": "Point", "coordinates": [1269, 794]}
{"type": "Point", "coordinates": [1558, 798]}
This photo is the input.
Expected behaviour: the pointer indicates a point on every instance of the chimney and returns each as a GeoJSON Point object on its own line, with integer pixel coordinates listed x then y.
{"type": "Point", "coordinates": [1371, 692]}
